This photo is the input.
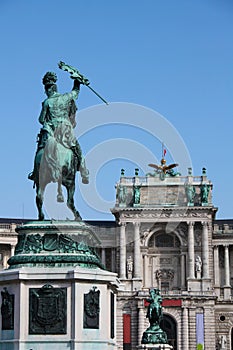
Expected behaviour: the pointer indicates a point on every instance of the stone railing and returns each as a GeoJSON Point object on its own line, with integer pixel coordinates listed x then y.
{"type": "Point", "coordinates": [150, 180]}
{"type": "Point", "coordinates": [223, 228]}
{"type": "Point", "coordinates": [8, 228]}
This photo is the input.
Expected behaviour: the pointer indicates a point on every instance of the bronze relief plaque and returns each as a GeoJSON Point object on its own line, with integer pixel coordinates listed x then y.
{"type": "Point", "coordinates": [47, 310]}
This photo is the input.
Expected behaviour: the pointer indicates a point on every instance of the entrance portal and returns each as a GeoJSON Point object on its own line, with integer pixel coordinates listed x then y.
{"type": "Point", "coordinates": [168, 324]}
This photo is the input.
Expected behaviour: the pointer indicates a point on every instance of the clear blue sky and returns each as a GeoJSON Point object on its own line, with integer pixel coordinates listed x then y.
{"type": "Point", "coordinates": [173, 57]}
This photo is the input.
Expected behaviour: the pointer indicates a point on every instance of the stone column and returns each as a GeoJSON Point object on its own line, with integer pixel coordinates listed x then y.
{"type": "Point", "coordinates": [103, 256]}
{"type": "Point", "coordinates": [182, 268]}
{"type": "Point", "coordinates": [5, 258]}
{"type": "Point", "coordinates": [122, 251]}
{"type": "Point", "coordinates": [137, 252]}
{"type": "Point", "coordinates": [216, 266]}
{"type": "Point", "coordinates": [145, 272]}
{"type": "Point", "coordinates": [113, 260]}
{"type": "Point", "coordinates": [12, 249]}
{"type": "Point", "coordinates": [141, 318]}
{"type": "Point", "coordinates": [185, 328]}
{"type": "Point", "coordinates": [227, 286]}
{"type": "Point", "coordinates": [205, 250]}
{"type": "Point", "coordinates": [227, 266]}
{"type": "Point", "coordinates": [191, 250]}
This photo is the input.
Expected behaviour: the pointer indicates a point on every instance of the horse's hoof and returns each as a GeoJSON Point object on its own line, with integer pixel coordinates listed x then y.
{"type": "Point", "coordinates": [60, 198]}
{"type": "Point", "coordinates": [77, 217]}
{"type": "Point", "coordinates": [41, 217]}
{"type": "Point", "coordinates": [85, 180]}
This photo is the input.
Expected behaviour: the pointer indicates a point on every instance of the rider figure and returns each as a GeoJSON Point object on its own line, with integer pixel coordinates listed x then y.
{"type": "Point", "coordinates": [155, 301]}
{"type": "Point", "coordinates": [58, 121]}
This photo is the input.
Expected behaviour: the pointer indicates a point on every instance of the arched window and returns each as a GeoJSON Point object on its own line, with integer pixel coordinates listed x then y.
{"type": "Point", "coordinates": [164, 240]}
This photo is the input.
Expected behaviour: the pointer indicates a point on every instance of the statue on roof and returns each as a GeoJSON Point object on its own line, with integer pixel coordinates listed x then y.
{"type": "Point", "coordinates": [162, 170]}
{"type": "Point", "coordinates": [205, 189]}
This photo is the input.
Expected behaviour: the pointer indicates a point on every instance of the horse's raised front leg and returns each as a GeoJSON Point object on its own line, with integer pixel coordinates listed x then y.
{"type": "Point", "coordinates": [70, 202]}
{"type": "Point", "coordinates": [39, 202]}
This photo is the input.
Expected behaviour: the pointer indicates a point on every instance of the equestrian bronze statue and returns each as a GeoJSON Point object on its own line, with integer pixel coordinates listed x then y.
{"type": "Point", "coordinates": [59, 155]}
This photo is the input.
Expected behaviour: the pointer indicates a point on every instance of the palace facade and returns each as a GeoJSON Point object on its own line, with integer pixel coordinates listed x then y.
{"type": "Point", "coordinates": [164, 235]}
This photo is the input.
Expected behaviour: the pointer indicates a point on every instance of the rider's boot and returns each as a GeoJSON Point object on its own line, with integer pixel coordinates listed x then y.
{"type": "Point", "coordinates": [82, 167]}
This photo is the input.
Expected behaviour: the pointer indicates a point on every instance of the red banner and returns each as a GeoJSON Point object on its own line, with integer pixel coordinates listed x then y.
{"type": "Point", "coordinates": [172, 302]}
{"type": "Point", "coordinates": [167, 302]}
{"type": "Point", "coordinates": [126, 328]}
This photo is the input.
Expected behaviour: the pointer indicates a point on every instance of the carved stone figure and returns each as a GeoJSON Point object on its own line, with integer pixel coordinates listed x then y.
{"type": "Point", "coordinates": [222, 342]}
{"type": "Point", "coordinates": [121, 194]}
{"type": "Point", "coordinates": [129, 266]}
{"type": "Point", "coordinates": [190, 194]}
{"type": "Point", "coordinates": [198, 263]}
{"type": "Point", "coordinates": [205, 193]}
{"type": "Point", "coordinates": [154, 334]}
{"type": "Point", "coordinates": [58, 154]}
{"type": "Point", "coordinates": [136, 194]}
{"type": "Point", "coordinates": [7, 310]}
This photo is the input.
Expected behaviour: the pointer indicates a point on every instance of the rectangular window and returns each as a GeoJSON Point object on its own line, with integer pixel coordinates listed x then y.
{"type": "Point", "coordinates": [164, 286]}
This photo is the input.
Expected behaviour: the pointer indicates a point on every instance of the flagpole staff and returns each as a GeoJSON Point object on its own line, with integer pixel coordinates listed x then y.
{"type": "Point", "coordinates": [164, 151]}
{"type": "Point", "coordinates": [75, 74]}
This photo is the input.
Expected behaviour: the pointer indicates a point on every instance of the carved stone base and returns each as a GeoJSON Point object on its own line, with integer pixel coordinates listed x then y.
{"type": "Point", "coordinates": [62, 295]}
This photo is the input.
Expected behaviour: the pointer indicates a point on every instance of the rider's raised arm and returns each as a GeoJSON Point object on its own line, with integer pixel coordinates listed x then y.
{"type": "Point", "coordinates": [43, 113]}
{"type": "Point", "coordinates": [76, 89]}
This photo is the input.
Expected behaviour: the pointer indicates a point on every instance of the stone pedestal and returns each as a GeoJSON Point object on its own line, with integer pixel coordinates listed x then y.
{"type": "Point", "coordinates": [57, 295]}
{"type": "Point", "coordinates": [155, 347]}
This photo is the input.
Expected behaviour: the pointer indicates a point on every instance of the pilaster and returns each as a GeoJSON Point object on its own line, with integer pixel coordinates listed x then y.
{"type": "Point", "coordinates": [137, 253]}
{"type": "Point", "coordinates": [205, 250]}
{"type": "Point", "coordinates": [185, 329]}
{"type": "Point", "coordinates": [227, 286]}
{"type": "Point", "coordinates": [216, 270]}
{"type": "Point", "coordinates": [141, 318]}
{"type": "Point", "coordinates": [122, 251]}
{"type": "Point", "coordinates": [182, 262]}
{"type": "Point", "coordinates": [191, 250]}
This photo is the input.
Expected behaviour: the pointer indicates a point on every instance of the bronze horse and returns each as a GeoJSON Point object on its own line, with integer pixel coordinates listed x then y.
{"type": "Point", "coordinates": [62, 172]}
